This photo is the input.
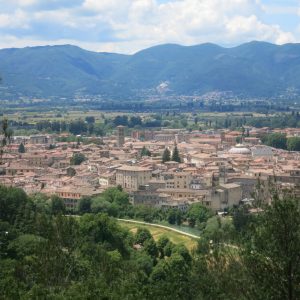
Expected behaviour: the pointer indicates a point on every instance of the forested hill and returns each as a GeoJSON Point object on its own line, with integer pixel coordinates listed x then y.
{"type": "Point", "coordinates": [252, 69]}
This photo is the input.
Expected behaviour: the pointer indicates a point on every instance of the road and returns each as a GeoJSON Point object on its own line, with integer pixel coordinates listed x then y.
{"type": "Point", "coordinates": [161, 226]}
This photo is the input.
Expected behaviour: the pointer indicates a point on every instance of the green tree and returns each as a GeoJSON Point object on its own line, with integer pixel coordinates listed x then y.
{"type": "Point", "coordinates": [293, 144]}
{"type": "Point", "coordinates": [116, 195]}
{"type": "Point", "coordinates": [145, 152]}
{"type": "Point", "coordinates": [277, 140]}
{"type": "Point", "coordinates": [142, 235]}
{"type": "Point", "coordinates": [57, 205]}
{"type": "Point", "coordinates": [71, 172]}
{"type": "Point", "coordinates": [175, 155]}
{"type": "Point", "coordinates": [77, 159]}
{"type": "Point", "coordinates": [12, 201]}
{"type": "Point", "coordinates": [161, 244]}
{"type": "Point", "coordinates": [150, 248]}
{"type": "Point", "coordinates": [6, 134]}
{"type": "Point", "coordinates": [172, 215]}
{"type": "Point", "coordinates": [102, 229]}
{"type": "Point", "coordinates": [166, 155]}
{"type": "Point", "coordinates": [144, 262]}
{"type": "Point", "coordinates": [272, 258]}
{"type": "Point", "coordinates": [171, 279]}
{"type": "Point", "coordinates": [197, 213]}
{"type": "Point", "coordinates": [21, 148]}
{"type": "Point", "coordinates": [84, 205]}
{"type": "Point", "coordinates": [90, 119]}
{"type": "Point", "coordinates": [241, 218]}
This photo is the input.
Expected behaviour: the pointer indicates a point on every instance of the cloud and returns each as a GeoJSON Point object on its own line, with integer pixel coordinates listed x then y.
{"type": "Point", "coordinates": [18, 19]}
{"type": "Point", "coordinates": [194, 21]}
{"type": "Point", "coordinates": [253, 29]}
{"type": "Point", "coordinates": [130, 25]}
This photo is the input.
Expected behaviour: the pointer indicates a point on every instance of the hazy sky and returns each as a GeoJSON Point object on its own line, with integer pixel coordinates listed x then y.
{"type": "Point", "coordinates": [127, 26]}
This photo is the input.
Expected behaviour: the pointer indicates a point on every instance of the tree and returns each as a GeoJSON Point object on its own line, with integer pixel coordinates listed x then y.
{"type": "Point", "coordinates": [145, 152]}
{"type": "Point", "coordinates": [116, 195]}
{"type": "Point", "coordinates": [150, 248]}
{"type": "Point", "coordinates": [71, 172]}
{"type": "Point", "coordinates": [134, 121]}
{"type": "Point", "coordinates": [241, 218]}
{"type": "Point", "coordinates": [161, 244]}
{"type": "Point", "coordinates": [120, 120]}
{"type": "Point", "coordinates": [90, 119]}
{"type": "Point", "coordinates": [175, 155]}
{"type": "Point", "coordinates": [166, 155]}
{"type": "Point", "coordinates": [174, 216]}
{"type": "Point", "coordinates": [293, 144]}
{"type": "Point", "coordinates": [77, 127]}
{"type": "Point", "coordinates": [6, 134]}
{"type": "Point", "coordinates": [142, 235]}
{"type": "Point", "coordinates": [57, 205]}
{"type": "Point", "coordinates": [77, 159]}
{"type": "Point", "coordinates": [21, 148]}
{"type": "Point", "coordinates": [84, 205]}
{"type": "Point", "coordinates": [272, 258]}
{"type": "Point", "coordinates": [171, 279]}
{"type": "Point", "coordinates": [12, 200]}
{"type": "Point", "coordinates": [277, 140]}
{"type": "Point", "coordinates": [197, 213]}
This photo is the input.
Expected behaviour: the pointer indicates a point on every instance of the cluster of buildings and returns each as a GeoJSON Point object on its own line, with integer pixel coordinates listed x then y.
{"type": "Point", "coordinates": [214, 169]}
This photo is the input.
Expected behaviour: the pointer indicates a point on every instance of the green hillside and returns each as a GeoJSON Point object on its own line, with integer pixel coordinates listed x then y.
{"type": "Point", "coordinates": [252, 69]}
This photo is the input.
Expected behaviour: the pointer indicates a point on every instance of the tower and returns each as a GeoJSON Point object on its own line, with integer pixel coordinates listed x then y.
{"type": "Point", "coordinates": [222, 136]}
{"type": "Point", "coordinates": [120, 136]}
{"type": "Point", "coordinates": [222, 174]}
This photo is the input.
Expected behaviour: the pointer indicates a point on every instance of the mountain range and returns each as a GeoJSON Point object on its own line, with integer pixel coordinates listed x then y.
{"type": "Point", "coordinates": [257, 69]}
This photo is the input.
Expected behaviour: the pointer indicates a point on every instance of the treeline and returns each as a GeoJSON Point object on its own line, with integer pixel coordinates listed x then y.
{"type": "Point", "coordinates": [46, 255]}
{"type": "Point", "coordinates": [115, 202]}
{"type": "Point", "coordinates": [174, 120]}
{"type": "Point", "coordinates": [283, 120]}
{"type": "Point", "coordinates": [281, 141]}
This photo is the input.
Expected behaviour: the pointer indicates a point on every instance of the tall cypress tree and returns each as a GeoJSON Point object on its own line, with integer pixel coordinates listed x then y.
{"type": "Point", "coordinates": [166, 155]}
{"type": "Point", "coordinates": [21, 148]}
{"type": "Point", "coordinates": [175, 155]}
{"type": "Point", "coordinates": [145, 152]}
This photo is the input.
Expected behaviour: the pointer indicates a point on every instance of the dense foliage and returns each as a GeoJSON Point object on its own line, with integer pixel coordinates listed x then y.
{"type": "Point", "coordinates": [280, 141]}
{"type": "Point", "coordinates": [276, 140]}
{"type": "Point", "coordinates": [46, 255]}
{"type": "Point", "coordinates": [77, 159]}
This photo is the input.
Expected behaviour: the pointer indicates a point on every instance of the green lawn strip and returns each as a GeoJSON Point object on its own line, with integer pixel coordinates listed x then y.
{"type": "Point", "coordinates": [157, 232]}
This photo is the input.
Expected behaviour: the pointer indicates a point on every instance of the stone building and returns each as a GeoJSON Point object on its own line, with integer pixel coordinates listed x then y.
{"type": "Point", "coordinates": [120, 136]}
{"type": "Point", "coordinates": [132, 177]}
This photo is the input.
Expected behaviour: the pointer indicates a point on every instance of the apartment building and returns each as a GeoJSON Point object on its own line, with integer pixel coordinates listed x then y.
{"type": "Point", "coordinates": [132, 177]}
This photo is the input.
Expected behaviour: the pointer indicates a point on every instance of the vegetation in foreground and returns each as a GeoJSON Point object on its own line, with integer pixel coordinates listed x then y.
{"type": "Point", "coordinates": [46, 255]}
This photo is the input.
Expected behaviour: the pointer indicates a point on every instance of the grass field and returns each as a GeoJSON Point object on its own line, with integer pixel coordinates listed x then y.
{"type": "Point", "coordinates": [157, 232]}
{"type": "Point", "coordinates": [62, 114]}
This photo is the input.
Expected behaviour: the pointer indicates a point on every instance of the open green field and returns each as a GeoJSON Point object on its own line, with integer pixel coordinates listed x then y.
{"type": "Point", "coordinates": [61, 114]}
{"type": "Point", "coordinates": [157, 232]}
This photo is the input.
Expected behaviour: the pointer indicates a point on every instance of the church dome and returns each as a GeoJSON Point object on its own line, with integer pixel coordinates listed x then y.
{"type": "Point", "coordinates": [239, 149]}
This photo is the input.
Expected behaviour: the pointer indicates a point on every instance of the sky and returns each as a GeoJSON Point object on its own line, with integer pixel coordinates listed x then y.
{"type": "Point", "coordinates": [127, 26]}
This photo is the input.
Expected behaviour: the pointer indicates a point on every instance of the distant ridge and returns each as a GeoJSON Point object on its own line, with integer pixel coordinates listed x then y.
{"type": "Point", "coordinates": [256, 69]}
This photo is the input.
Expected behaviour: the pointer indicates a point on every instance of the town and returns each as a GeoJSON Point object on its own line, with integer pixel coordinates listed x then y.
{"type": "Point", "coordinates": [166, 168]}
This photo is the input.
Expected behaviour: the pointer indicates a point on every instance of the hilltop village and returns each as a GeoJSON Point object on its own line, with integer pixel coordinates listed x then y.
{"type": "Point", "coordinates": [211, 167]}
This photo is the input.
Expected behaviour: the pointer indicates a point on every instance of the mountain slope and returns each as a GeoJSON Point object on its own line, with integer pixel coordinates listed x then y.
{"type": "Point", "coordinates": [56, 70]}
{"type": "Point", "coordinates": [255, 69]}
